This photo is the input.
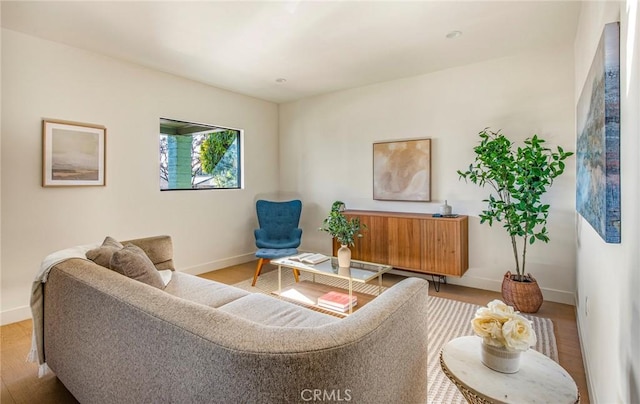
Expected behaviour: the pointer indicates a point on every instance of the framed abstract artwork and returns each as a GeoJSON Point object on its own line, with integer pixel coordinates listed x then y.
{"type": "Point", "coordinates": [402, 170]}
{"type": "Point", "coordinates": [73, 154]}
{"type": "Point", "coordinates": [598, 140]}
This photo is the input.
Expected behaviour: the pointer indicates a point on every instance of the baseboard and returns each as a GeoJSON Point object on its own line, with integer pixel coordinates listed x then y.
{"type": "Point", "coordinates": [15, 315]}
{"type": "Point", "coordinates": [552, 295]}
{"type": "Point", "coordinates": [585, 362]}
{"type": "Point", "coordinates": [219, 264]}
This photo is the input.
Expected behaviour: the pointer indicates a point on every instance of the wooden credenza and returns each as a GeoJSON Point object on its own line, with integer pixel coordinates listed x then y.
{"type": "Point", "coordinates": [413, 242]}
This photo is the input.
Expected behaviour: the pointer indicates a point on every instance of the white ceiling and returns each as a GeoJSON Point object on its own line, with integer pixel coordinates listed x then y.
{"type": "Point", "coordinates": [319, 47]}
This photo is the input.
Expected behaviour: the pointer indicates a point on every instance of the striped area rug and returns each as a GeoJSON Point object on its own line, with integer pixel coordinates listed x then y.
{"type": "Point", "coordinates": [450, 319]}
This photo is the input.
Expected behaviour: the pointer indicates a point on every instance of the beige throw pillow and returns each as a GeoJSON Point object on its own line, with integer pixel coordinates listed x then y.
{"type": "Point", "coordinates": [102, 255]}
{"type": "Point", "coordinates": [131, 261]}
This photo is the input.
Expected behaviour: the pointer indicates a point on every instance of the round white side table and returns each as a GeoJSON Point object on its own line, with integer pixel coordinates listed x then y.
{"type": "Point", "coordinates": [539, 380]}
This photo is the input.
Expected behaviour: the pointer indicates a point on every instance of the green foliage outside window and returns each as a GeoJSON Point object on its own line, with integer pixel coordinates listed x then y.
{"type": "Point", "coordinates": [214, 148]}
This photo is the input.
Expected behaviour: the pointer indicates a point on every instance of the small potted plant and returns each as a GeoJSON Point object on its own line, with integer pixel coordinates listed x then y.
{"type": "Point", "coordinates": [344, 230]}
{"type": "Point", "coordinates": [518, 177]}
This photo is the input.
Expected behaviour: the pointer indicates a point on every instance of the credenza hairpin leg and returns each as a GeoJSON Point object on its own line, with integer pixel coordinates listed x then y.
{"type": "Point", "coordinates": [441, 280]}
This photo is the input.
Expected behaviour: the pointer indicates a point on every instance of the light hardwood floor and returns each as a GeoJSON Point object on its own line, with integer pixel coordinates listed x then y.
{"type": "Point", "coordinates": [20, 383]}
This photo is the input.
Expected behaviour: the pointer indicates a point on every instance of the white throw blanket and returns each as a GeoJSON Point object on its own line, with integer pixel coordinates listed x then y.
{"type": "Point", "coordinates": [37, 300]}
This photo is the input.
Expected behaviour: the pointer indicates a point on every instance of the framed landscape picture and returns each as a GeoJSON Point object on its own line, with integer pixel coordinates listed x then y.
{"type": "Point", "coordinates": [402, 170]}
{"type": "Point", "coordinates": [73, 154]}
{"type": "Point", "coordinates": [598, 140]}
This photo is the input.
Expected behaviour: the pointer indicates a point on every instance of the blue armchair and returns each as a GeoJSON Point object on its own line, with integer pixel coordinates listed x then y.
{"type": "Point", "coordinates": [279, 234]}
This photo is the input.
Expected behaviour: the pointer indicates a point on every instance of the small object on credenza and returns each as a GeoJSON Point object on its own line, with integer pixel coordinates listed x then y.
{"type": "Point", "coordinates": [445, 210]}
{"type": "Point", "coordinates": [454, 215]}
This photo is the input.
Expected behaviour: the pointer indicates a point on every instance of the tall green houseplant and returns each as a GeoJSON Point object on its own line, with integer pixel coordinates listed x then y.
{"type": "Point", "coordinates": [518, 178]}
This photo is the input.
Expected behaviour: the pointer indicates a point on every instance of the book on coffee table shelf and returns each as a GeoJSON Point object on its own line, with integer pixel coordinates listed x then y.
{"type": "Point", "coordinates": [309, 258]}
{"type": "Point", "coordinates": [337, 301]}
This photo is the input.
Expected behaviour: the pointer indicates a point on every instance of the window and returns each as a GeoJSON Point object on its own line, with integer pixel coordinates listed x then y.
{"type": "Point", "coordinates": [197, 156]}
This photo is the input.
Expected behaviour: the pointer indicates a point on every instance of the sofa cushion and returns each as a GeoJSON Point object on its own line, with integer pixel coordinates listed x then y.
{"type": "Point", "coordinates": [131, 261]}
{"type": "Point", "coordinates": [202, 291]}
{"type": "Point", "coordinates": [102, 255]}
{"type": "Point", "coordinates": [159, 249]}
{"type": "Point", "coordinates": [270, 311]}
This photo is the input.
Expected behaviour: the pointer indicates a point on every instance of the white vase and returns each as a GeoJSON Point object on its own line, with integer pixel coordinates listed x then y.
{"type": "Point", "coordinates": [500, 359]}
{"type": "Point", "coordinates": [344, 256]}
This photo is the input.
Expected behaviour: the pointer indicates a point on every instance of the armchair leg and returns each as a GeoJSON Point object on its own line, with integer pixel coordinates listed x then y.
{"type": "Point", "coordinates": [261, 262]}
{"type": "Point", "coordinates": [258, 269]}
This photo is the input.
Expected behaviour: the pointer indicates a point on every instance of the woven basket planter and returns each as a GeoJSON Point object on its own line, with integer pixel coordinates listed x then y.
{"type": "Point", "coordinates": [525, 296]}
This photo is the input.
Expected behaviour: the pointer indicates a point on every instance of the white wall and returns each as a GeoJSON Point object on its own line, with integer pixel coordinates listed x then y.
{"type": "Point", "coordinates": [326, 148]}
{"type": "Point", "coordinates": [43, 79]}
{"type": "Point", "coordinates": [608, 276]}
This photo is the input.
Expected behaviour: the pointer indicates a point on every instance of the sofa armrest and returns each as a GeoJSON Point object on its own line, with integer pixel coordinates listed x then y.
{"type": "Point", "coordinates": [159, 249]}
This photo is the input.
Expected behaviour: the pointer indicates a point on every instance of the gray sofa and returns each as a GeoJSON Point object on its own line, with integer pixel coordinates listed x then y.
{"type": "Point", "coordinates": [112, 339]}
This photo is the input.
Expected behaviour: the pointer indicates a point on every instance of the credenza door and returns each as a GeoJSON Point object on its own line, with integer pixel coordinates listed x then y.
{"type": "Point", "coordinates": [413, 242]}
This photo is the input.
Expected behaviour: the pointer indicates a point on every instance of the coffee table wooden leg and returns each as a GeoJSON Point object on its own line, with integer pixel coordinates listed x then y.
{"type": "Point", "coordinates": [296, 274]}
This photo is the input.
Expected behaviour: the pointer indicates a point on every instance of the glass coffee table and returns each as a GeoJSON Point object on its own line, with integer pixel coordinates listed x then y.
{"type": "Point", "coordinates": [359, 271]}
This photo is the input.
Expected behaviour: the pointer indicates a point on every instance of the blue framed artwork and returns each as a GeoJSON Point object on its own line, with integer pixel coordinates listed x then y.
{"type": "Point", "coordinates": [598, 139]}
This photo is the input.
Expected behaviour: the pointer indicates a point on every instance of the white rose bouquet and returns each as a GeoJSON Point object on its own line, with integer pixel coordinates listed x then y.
{"type": "Point", "coordinates": [500, 325]}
